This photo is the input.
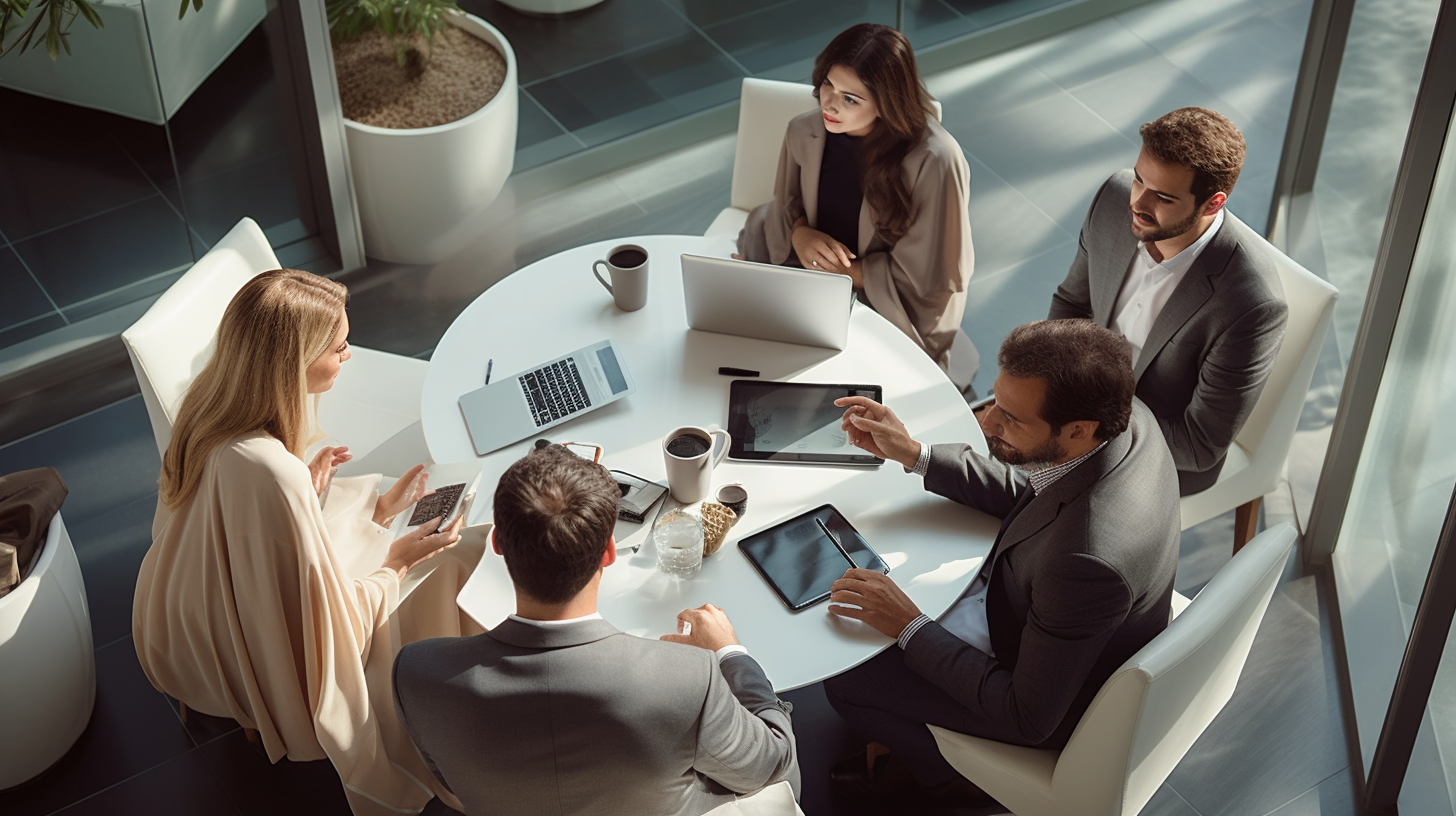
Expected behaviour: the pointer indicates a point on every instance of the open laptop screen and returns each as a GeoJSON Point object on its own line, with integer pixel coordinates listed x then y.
{"type": "Point", "coordinates": [608, 359]}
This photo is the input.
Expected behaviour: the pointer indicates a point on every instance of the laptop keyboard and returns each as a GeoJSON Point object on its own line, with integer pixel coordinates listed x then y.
{"type": "Point", "coordinates": [554, 391]}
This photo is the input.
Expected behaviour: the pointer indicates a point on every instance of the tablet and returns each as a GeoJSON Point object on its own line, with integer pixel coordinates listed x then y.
{"type": "Point", "coordinates": [794, 422]}
{"type": "Point", "coordinates": [800, 562]}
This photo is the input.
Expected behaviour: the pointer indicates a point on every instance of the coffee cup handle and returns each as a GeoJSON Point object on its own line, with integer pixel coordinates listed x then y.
{"type": "Point", "coordinates": [599, 275]}
{"type": "Point", "coordinates": [721, 442]}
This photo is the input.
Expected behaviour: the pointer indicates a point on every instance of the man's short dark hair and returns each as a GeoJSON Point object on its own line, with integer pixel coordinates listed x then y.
{"type": "Point", "coordinates": [554, 512]}
{"type": "Point", "coordinates": [1202, 140]}
{"type": "Point", "coordinates": [1087, 370]}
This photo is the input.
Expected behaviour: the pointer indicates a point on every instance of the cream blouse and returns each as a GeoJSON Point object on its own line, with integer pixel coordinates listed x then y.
{"type": "Point", "coordinates": [256, 603]}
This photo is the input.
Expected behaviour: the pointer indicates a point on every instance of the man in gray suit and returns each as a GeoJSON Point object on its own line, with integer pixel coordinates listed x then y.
{"type": "Point", "coordinates": [1194, 292]}
{"type": "Point", "coordinates": [555, 710]}
{"type": "Point", "coordinates": [1079, 579]}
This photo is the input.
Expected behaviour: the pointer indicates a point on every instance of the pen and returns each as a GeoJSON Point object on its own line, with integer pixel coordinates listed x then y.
{"type": "Point", "coordinates": [835, 541]}
{"type": "Point", "coordinates": [489, 364]}
{"type": "Point", "coordinates": [729, 371]}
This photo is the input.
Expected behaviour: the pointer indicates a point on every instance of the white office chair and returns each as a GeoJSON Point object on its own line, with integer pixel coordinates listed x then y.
{"type": "Point", "coordinates": [47, 666]}
{"type": "Point", "coordinates": [1256, 461]}
{"type": "Point", "coordinates": [765, 107]}
{"type": "Point", "coordinates": [374, 406]}
{"type": "Point", "coordinates": [1148, 714]}
{"type": "Point", "coordinates": [775, 800]}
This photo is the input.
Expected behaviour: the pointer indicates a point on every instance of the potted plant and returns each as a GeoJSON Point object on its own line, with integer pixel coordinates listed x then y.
{"type": "Point", "coordinates": [55, 15]}
{"type": "Point", "coordinates": [425, 165]}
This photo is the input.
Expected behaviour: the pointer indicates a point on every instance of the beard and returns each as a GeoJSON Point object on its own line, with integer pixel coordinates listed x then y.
{"type": "Point", "coordinates": [1158, 232]}
{"type": "Point", "coordinates": [1039, 458]}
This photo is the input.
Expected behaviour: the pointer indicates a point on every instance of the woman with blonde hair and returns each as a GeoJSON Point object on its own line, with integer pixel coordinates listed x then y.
{"type": "Point", "coordinates": [245, 605]}
{"type": "Point", "coordinates": [871, 186]}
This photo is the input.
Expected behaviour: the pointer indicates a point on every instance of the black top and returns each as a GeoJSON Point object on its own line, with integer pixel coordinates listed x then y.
{"type": "Point", "coordinates": [839, 192]}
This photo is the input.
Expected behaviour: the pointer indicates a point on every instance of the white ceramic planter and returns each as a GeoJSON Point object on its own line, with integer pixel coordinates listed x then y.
{"type": "Point", "coordinates": [422, 191]}
{"type": "Point", "coordinates": [548, 7]}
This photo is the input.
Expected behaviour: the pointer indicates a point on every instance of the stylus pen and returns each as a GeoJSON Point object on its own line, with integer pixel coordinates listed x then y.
{"type": "Point", "coordinates": [489, 364]}
{"type": "Point", "coordinates": [835, 541]}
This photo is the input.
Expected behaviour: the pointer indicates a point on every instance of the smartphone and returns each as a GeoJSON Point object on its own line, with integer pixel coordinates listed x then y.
{"type": "Point", "coordinates": [639, 495]}
{"type": "Point", "coordinates": [445, 501]}
{"type": "Point", "coordinates": [586, 450]}
{"type": "Point", "coordinates": [448, 501]}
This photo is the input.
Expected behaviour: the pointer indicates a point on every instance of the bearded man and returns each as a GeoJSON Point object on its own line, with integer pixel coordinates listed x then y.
{"type": "Point", "coordinates": [1080, 576]}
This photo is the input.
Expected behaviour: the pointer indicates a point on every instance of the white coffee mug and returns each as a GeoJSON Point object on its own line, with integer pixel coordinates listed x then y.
{"type": "Point", "coordinates": [627, 267]}
{"type": "Point", "coordinates": [690, 453]}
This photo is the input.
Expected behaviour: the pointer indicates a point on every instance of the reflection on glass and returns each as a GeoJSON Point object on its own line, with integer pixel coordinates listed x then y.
{"type": "Point", "coordinates": [126, 160]}
{"type": "Point", "coordinates": [1401, 491]}
{"type": "Point", "coordinates": [1369, 116]}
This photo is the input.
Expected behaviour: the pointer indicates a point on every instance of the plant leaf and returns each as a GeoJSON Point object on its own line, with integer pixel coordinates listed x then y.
{"type": "Point", "coordinates": [89, 14]}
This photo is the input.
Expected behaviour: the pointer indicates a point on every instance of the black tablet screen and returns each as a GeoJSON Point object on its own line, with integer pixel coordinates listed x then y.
{"type": "Point", "coordinates": [796, 422]}
{"type": "Point", "coordinates": [800, 562]}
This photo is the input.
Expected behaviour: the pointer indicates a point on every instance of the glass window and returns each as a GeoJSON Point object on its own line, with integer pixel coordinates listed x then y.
{"type": "Point", "coordinates": [124, 161]}
{"type": "Point", "coordinates": [1402, 488]}
{"type": "Point", "coordinates": [1369, 115]}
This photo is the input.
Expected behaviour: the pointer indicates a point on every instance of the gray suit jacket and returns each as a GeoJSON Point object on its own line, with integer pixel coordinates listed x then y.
{"type": "Point", "coordinates": [582, 718]}
{"type": "Point", "coordinates": [1213, 345]}
{"type": "Point", "coordinates": [1081, 577]}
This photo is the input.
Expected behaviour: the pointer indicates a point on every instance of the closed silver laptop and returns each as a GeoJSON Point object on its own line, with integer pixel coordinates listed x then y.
{"type": "Point", "coordinates": [513, 408]}
{"type": "Point", "coordinates": [766, 301]}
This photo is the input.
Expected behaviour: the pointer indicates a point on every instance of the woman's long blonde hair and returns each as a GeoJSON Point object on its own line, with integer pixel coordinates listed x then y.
{"type": "Point", "coordinates": [257, 380]}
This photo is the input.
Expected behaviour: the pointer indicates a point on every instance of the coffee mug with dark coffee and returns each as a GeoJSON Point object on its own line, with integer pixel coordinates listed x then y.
{"type": "Point", "coordinates": [690, 453]}
{"type": "Point", "coordinates": [627, 267]}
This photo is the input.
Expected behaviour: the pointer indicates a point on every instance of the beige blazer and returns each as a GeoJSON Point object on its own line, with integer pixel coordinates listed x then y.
{"type": "Point", "coordinates": [245, 609]}
{"type": "Point", "coordinates": [919, 284]}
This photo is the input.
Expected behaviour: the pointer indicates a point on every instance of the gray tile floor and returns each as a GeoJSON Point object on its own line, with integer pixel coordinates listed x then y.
{"type": "Point", "coordinates": [1042, 126]}
{"type": "Point", "coordinates": [622, 67]}
{"type": "Point", "coordinates": [92, 216]}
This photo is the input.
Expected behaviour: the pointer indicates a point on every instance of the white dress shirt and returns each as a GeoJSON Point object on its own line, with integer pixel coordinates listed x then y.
{"type": "Point", "coordinates": [1149, 284]}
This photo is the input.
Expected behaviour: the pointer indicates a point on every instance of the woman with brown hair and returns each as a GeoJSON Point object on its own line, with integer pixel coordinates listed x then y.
{"type": "Point", "coordinates": [871, 186]}
{"type": "Point", "coordinates": [246, 604]}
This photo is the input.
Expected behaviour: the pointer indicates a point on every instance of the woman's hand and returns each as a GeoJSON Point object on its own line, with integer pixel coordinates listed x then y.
{"type": "Point", "coordinates": [816, 250]}
{"type": "Point", "coordinates": [408, 490]}
{"type": "Point", "coordinates": [421, 543]}
{"type": "Point", "coordinates": [324, 463]}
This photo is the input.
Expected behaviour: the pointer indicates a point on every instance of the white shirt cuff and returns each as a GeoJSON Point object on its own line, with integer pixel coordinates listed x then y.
{"type": "Point", "coordinates": [922, 463]}
{"type": "Point", "coordinates": [728, 651]}
{"type": "Point", "coordinates": [910, 630]}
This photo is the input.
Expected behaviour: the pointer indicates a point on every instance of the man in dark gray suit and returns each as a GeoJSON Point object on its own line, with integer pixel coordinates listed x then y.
{"type": "Point", "coordinates": [555, 710]}
{"type": "Point", "coordinates": [1192, 289]}
{"type": "Point", "coordinates": [1079, 579]}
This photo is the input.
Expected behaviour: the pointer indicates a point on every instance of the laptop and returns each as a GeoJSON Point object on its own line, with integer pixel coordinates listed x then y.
{"type": "Point", "coordinates": [513, 408]}
{"type": "Point", "coordinates": [766, 301]}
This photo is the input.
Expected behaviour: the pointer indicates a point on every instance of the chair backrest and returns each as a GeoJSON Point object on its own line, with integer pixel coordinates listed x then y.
{"type": "Point", "coordinates": [1311, 303]}
{"type": "Point", "coordinates": [764, 110]}
{"type": "Point", "coordinates": [775, 800]}
{"type": "Point", "coordinates": [1152, 710]}
{"type": "Point", "coordinates": [171, 343]}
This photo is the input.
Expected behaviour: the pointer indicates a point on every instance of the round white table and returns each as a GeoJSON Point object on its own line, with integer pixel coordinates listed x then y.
{"type": "Point", "coordinates": [933, 546]}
